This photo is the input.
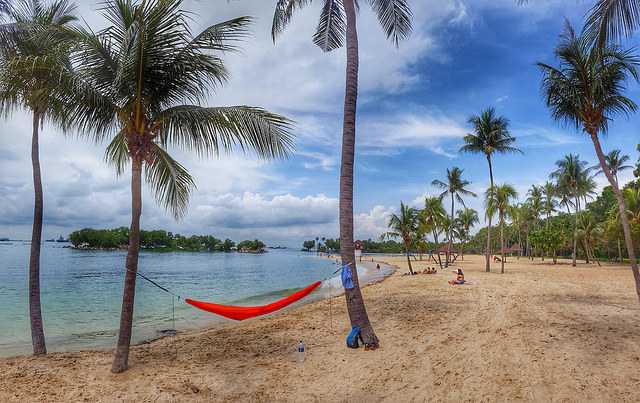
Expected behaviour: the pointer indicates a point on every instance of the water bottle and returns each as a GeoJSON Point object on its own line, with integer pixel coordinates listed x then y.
{"type": "Point", "coordinates": [300, 352]}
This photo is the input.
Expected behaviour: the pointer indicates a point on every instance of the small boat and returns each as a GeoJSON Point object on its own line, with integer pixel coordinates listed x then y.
{"type": "Point", "coordinates": [61, 239]}
{"type": "Point", "coordinates": [4, 239]}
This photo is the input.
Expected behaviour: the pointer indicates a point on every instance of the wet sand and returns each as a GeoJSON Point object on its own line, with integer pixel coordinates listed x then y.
{"type": "Point", "coordinates": [537, 333]}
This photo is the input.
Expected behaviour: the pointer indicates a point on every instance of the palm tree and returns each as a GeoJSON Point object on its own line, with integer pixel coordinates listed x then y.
{"type": "Point", "coordinates": [337, 27]}
{"type": "Point", "coordinates": [433, 217]}
{"type": "Point", "coordinates": [536, 207]}
{"type": "Point", "coordinates": [466, 218]}
{"type": "Point", "coordinates": [499, 200]}
{"type": "Point", "coordinates": [454, 186]}
{"type": "Point", "coordinates": [404, 226]}
{"type": "Point", "coordinates": [587, 90]}
{"type": "Point", "coordinates": [571, 175]}
{"type": "Point", "coordinates": [549, 202]}
{"type": "Point", "coordinates": [31, 35]}
{"type": "Point", "coordinates": [616, 162]}
{"type": "Point", "coordinates": [490, 136]}
{"type": "Point", "coordinates": [141, 83]}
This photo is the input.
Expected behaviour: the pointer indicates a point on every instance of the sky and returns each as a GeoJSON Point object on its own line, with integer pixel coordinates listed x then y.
{"type": "Point", "coordinates": [415, 100]}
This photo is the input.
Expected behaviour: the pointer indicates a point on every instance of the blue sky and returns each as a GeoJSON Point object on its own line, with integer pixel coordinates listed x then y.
{"type": "Point", "coordinates": [414, 103]}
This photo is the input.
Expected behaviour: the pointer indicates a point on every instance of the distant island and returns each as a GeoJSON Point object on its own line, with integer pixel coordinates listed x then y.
{"type": "Point", "coordinates": [160, 240]}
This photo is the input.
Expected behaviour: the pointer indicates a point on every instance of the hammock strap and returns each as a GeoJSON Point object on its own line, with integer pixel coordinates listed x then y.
{"type": "Point", "coordinates": [145, 278]}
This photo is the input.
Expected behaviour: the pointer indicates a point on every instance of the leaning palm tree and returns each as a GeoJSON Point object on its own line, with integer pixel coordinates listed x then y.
{"type": "Point", "coordinates": [32, 33]}
{"type": "Point", "coordinates": [587, 90]}
{"type": "Point", "coordinates": [490, 136]}
{"type": "Point", "coordinates": [405, 227]}
{"type": "Point", "coordinates": [141, 83]}
{"type": "Point", "coordinates": [336, 28]}
{"type": "Point", "coordinates": [456, 187]}
{"type": "Point", "coordinates": [499, 200]}
{"type": "Point", "coordinates": [467, 218]}
{"type": "Point", "coordinates": [433, 217]}
{"type": "Point", "coordinates": [616, 161]}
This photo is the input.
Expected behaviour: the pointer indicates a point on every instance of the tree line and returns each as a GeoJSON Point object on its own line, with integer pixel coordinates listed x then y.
{"type": "Point", "coordinates": [118, 238]}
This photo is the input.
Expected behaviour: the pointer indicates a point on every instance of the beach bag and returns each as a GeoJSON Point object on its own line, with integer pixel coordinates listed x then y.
{"type": "Point", "coordinates": [352, 338]}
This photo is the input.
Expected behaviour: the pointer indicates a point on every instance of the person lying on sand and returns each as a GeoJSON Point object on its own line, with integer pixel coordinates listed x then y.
{"type": "Point", "coordinates": [459, 278]}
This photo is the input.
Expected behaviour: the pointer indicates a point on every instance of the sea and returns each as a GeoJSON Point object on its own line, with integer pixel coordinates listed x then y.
{"type": "Point", "coordinates": [81, 291]}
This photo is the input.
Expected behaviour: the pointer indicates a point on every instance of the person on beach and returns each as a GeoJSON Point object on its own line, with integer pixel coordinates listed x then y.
{"type": "Point", "coordinates": [378, 266]}
{"type": "Point", "coordinates": [459, 278]}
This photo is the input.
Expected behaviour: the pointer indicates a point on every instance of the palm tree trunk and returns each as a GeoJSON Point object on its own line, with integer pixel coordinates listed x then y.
{"type": "Point", "coordinates": [406, 249]}
{"type": "Point", "coordinates": [502, 245]}
{"type": "Point", "coordinates": [519, 243]}
{"type": "Point", "coordinates": [453, 204]}
{"type": "Point", "coordinates": [435, 239]}
{"type": "Point", "coordinates": [575, 235]}
{"type": "Point", "coordinates": [619, 251]}
{"type": "Point", "coordinates": [355, 303]}
{"type": "Point", "coordinates": [488, 252]}
{"type": "Point", "coordinates": [35, 310]}
{"type": "Point", "coordinates": [121, 354]}
{"type": "Point", "coordinates": [622, 209]}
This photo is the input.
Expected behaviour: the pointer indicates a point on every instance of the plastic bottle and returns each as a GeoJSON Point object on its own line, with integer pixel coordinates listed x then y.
{"type": "Point", "coordinates": [300, 352]}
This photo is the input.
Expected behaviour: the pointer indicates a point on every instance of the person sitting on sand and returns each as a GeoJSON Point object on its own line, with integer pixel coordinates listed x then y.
{"type": "Point", "coordinates": [459, 278]}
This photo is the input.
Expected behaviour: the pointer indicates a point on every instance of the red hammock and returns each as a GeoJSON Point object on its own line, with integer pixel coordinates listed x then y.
{"type": "Point", "coordinates": [246, 312]}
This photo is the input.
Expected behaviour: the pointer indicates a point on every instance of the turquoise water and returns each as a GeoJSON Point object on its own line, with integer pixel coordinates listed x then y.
{"type": "Point", "coordinates": [82, 291]}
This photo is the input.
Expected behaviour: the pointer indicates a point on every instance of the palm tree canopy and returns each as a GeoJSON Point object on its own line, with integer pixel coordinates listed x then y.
{"type": "Point", "coordinates": [549, 193]}
{"type": "Point", "coordinates": [33, 34]}
{"type": "Point", "coordinates": [404, 225]}
{"type": "Point", "coordinates": [616, 161]}
{"type": "Point", "coordinates": [499, 199]}
{"type": "Point", "coordinates": [394, 17]}
{"type": "Point", "coordinates": [586, 89]}
{"type": "Point", "coordinates": [433, 214]}
{"type": "Point", "coordinates": [141, 83]}
{"type": "Point", "coordinates": [570, 173]}
{"type": "Point", "coordinates": [454, 185]}
{"type": "Point", "coordinates": [490, 135]}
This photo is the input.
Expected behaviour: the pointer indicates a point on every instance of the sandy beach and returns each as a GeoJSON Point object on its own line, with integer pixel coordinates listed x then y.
{"type": "Point", "coordinates": [537, 333]}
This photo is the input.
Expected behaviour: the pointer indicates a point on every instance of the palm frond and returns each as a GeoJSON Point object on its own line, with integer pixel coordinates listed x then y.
{"type": "Point", "coordinates": [117, 153]}
{"type": "Point", "coordinates": [395, 18]}
{"type": "Point", "coordinates": [170, 181]}
{"type": "Point", "coordinates": [330, 33]}
{"type": "Point", "coordinates": [284, 13]}
{"type": "Point", "coordinates": [211, 130]}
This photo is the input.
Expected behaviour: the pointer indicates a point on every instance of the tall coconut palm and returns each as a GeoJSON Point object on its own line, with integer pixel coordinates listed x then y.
{"type": "Point", "coordinates": [405, 227]}
{"type": "Point", "coordinates": [433, 217]}
{"type": "Point", "coordinates": [466, 218]}
{"type": "Point", "coordinates": [32, 34]}
{"type": "Point", "coordinates": [336, 28]}
{"type": "Point", "coordinates": [455, 187]}
{"type": "Point", "coordinates": [141, 83]}
{"type": "Point", "coordinates": [586, 90]}
{"type": "Point", "coordinates": [499, 200]}
{"type": "Point", "coordinates": [571, 175]}
{"type": "Point", "coordinates": [616, 161]}
{"type": "Point", "coordinates": [490, 136]}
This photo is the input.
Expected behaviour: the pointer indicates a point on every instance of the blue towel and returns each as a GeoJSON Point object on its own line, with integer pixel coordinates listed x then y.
{"type": "Point", "coordinates": [347, 277]}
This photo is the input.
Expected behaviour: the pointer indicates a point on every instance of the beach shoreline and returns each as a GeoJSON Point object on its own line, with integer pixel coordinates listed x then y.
{"type": "Point", "coordinates": [537, 333]}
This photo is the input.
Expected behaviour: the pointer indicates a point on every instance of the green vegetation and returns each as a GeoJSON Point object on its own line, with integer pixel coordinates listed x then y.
{"type": "Point", "coordinates": [158, 240]}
